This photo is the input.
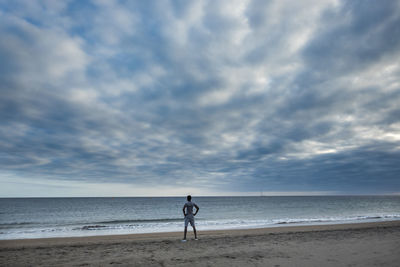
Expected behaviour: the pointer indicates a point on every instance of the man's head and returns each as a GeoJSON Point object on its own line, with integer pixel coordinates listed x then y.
{"type": "Point", "coordinates": [189, 198]}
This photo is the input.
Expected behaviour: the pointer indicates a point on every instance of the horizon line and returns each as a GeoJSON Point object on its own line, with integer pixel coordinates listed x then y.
{"type": "Point", "coordinates": [194, 196]}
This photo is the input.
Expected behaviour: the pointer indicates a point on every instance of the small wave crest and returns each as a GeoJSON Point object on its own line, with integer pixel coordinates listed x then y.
{"type": "Point", "coordinates": [143, 221]}
{"type": "Point", "coordinates": [14, 224]}
{"type": "Point", "coordinates": [91, 227]}
{"type": "Point", "coordinates": [338, 219]}
{"type": "Point", "coordinates": [126, 224]}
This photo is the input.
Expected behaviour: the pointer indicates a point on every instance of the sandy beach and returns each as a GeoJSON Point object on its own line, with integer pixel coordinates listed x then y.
{"type": "Point", "coordinates": [364, 244]}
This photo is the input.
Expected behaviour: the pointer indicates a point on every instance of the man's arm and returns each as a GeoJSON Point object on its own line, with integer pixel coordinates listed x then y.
{"type": "Point", "coordinates": [184, 214]}
{"type": "Point", "coordinates": [197, 209]}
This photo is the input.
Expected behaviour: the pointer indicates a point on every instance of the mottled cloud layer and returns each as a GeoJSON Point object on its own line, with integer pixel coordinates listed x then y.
{"type": "Point", "coordinates": [222, 96]}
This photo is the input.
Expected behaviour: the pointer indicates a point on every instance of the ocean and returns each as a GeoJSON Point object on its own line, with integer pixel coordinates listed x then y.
{"type": "Point", "coordinates": [22, 218]}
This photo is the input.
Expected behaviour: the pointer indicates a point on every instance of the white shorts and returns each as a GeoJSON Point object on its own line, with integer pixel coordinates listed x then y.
{"type": "Point", "coordinates": [189, 219]}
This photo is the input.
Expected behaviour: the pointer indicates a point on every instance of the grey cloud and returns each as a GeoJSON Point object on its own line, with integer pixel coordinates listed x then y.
{"type": "Point", "coordinates": [130, 111]}
{"type": "Point", "coordinates": [357, 34]}
{"type": "Point", "coordinates": [367, 169]}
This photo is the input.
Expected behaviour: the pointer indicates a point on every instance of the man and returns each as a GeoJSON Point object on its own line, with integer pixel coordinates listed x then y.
{"type": "Point", "coordinates": [189, 216]}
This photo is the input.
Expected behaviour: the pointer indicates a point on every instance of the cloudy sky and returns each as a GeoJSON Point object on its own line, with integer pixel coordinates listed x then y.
{"type": "Point", "coordinates": [144, 98]}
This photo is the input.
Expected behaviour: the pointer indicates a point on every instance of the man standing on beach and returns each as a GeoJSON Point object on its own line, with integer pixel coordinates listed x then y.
{"type": "Point", "coordinates": [189, 216]}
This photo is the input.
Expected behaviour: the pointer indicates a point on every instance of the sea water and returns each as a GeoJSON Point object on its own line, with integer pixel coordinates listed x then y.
{"type": "Point", "coordinates": [59, 217]}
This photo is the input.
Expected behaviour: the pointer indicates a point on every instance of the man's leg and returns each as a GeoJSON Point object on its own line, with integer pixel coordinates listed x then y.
{"type": "Point", "coordinates": [184, 236]}
{"type": "Point", "coordinates": [194, 230]}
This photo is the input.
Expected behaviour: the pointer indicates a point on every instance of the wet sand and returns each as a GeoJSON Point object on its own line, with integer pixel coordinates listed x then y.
{"type": "Point", "coordinates": [363, 244]}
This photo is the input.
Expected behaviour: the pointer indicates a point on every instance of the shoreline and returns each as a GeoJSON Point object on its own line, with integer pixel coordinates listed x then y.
{"type": "Point", "coordinates": [208, 229]}
{"type": "Point", "coordinates": [208, 233]}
